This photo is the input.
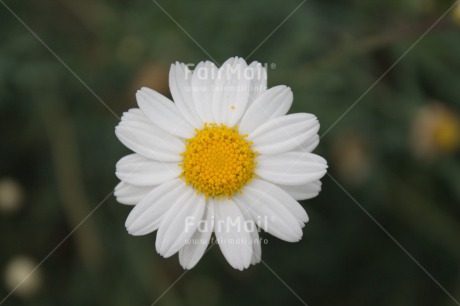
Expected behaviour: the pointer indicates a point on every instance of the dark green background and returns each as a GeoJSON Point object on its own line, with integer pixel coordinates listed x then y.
{"type": "Point", "coordinates": [58, 143]}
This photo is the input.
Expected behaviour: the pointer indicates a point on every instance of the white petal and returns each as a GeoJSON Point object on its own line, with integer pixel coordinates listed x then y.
{"type": "Point", "coordinates": [284, 133]}
{"type": "Point", "coordinates": [273, 103]}
{"type": "Point", "coordinates": [180, 222]}
{"type": "Point", "coordinates": [281, 196]}
{"type": "Point", "coordinates": [303, 192]}
{"type": "Point", "coordinates": [140, 135]}
{"type": "Point", "coordinates": [147, 215]}
{"type": "Point", "coordinates": [258, 82]}
{"type": "Point", "coordinates": [231, 91]}
{"type": "Point", "coordinates": [135, 114]}
{"type": "Point", "coordinates": [253, 231]}
{"type": "Point", "coordinates": [180, 85]}
{"type": "Point", "coordinates": [273, 210]}
{"type": "Point", "coordinates": [233, 239]}
{"type": "Point", "coordinates": [137, 170]}
{"type": "Point", "coordinates": [162, 112]}
{"type": "Point", "coordinates": [203, 80]}
{"type": "Point", "coordinates": [192, 252]}
{"type": "Point", "coordinates": [291, 168]}
{"type": "Point", "coordinates": [130, 194]}
{"type": "Point", "coordinates": [135, 118]}
{"type": "Point", "coordinates": [310, 145]}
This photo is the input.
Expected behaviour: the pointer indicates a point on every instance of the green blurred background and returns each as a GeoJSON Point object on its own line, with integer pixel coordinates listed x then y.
{"type": "Point", "coordinates": [396, 152]}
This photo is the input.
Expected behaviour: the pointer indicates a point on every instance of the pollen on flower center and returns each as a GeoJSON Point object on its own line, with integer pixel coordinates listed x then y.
{"type": "Point", "coordinates": [218, 161]}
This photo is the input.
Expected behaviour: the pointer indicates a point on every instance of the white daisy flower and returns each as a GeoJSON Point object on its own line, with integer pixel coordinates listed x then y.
{"type": "Point", "coordinates": [223, 158]}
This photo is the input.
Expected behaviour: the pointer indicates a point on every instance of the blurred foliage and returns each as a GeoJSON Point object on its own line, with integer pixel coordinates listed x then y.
{"type": "Point", "coordinates": [396, 152]}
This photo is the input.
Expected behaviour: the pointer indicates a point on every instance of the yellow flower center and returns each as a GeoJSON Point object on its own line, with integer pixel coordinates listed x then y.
{"type": "Point", "coordinates": [218, 161]}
